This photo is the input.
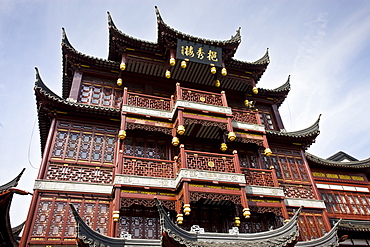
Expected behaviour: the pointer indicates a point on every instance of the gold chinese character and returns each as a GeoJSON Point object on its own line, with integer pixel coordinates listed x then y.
{"type": "Point", "coordinates": [187, 51]}
{"type": "Point", "coordinates": [200, 53]}
{"type": "Point", "coordinates": [212, 56]}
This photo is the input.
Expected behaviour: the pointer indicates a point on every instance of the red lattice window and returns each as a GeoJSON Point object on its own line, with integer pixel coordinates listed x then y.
{"type": "Point", "coordinates": [267, 118]}
{"type": "Point", "coordinates": [86, 143]}
{"type": "Point", "coordinates": [288, 165]}
{"type": "Point", "coordinates": [347, 203]}
{"type": "Point", "coordinates": [141, 222]}
{"type": "Point", "coordinates": [145, 148]}
{"type": "Point", "coordinates": [54, 219]}
{"type": "Point", "coordinates": [311, 226]}
{"type": "Point", "coordinates": [99, 94]}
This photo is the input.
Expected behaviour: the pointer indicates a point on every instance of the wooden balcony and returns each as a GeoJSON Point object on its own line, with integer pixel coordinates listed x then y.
{"type": "Point", "coordinates": [207, 161]}
{"type": "Point", "coordinates": [260, 177]}
{"type": "Point", "coordinates": [198, 96]}
{"type": "Point", "coordinates": [147, 101]}
{"type": "Point", "coordinates": [147, 167]}
{"type": "Point", "coordinates": [246, 116]}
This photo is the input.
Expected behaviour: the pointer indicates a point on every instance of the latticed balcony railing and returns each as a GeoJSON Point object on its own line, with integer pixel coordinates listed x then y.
{"type": "Point", "coordinates": [246, 116]}
{"type": "Point", "coordinates": [260, 177]}
{"type": "Point", "coordinates": [147, 101]}
{"type": "Point", "coordinates": [147, 167]}
{"type": "Point", "coordinates": [207, 161]}
{"type": "Point", "coordinates": [182, 93]}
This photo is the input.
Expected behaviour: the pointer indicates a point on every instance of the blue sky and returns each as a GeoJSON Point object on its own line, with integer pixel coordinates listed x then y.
{"type": "Point", "coordinates": [323, 45]}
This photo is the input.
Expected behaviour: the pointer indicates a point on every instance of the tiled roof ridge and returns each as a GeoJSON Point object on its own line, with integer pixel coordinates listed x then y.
{"type": "Point", "coordinates": [283, 88]}
{"type": "Point", "coordinates": [350, 164]}
{"type": "Point", "coordinates": [234, 38]}
{"type": "Point", "coordinates": [309, 131]}
{"type": "Point", "coordinates": [264, 60]}
{"type": "Point", "coordinates": [12, 183]}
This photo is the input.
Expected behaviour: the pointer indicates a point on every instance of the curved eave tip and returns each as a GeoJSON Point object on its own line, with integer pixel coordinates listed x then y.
{"type": "Point", "coordinates": [110, 21]}
{"type": "Point", "coordinates": [159, 17]}
{"type": "Point", "coordinates": [65, 38]}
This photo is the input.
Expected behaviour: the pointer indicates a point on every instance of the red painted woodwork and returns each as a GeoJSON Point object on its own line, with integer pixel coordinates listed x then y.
{"type": "Point", "coordinates": [259, 177]}
{"type": "Point", "coordinates": [148, 167]}
{"type": "Point", "coordinates": [245, 116]}
{"type": "Point", "coordinates": [199, 96]}
{"type": "Point", "coordinates": [148, 101]}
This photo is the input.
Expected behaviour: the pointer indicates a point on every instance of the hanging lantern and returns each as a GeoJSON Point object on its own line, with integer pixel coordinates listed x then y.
{"type": "Point", "coordinates": [223, 147]}
{"type": "Point", "coordinates": [180, 129]}
{"type": "Point", "coordinates": [183, 64]}
{"type": "Point", "coordinates": [255, 90]}
{"type": "Point", "coordinates": [115, 215]}
{"type": "Point", "coordinates": [122, 66]}
{"type": "Point", "coordinates": [179, 219]}
{"type": "Point", "coordinates": [172, 61]}
{"type": "Point", "coordinates": [267, 152]}
{"type": "Point", "coordinates": [122, 134]}
{"type": "Point", "coordinates": [175, 141]}
{"type": "Point", "coordinates": [223, 71]}
{"type": "Point", "coordinates": [213, 70]}
{"type": "Point", "coordinates": [187, 209]}
{"type": "Point", "coordinates": [246, 103]}
{"type": "Point", "coordinates": [237, 221]}
{"type": "Point", "coordinates": [168, 74]}
{"type": "Point", "coordinates": [231, 136]}
{"type": "Point", "coordinates": [119, 82]}
{"type": "Point", "coordinates": [217, 83]}
{"type": "Point", "coordinates": [246, 213]}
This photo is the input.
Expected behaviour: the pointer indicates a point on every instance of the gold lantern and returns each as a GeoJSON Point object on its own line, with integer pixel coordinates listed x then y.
{"type": "Point", "coordinates": [217, 83]}
{"type": "Point", "coordinates": [119, 82]}
{"type": "Point", "coordinates": [213, 70]}
{"type": "Point", "coordinates": [223, 147]}
{"type": "Point", "coordinates": [246, 103]}
{"type": "Point", "coordinates": [175, 141]}
{"type": "Point", "coordinates": [180, 129]}
{"type": "Point", "coordinates": [122, 134]}
{"type": "Point", "coordinates": [172, 61]}
{"type": "Point", "coordinates": [122, 66]}
{"type": "Point", "coordinates": [179, 219]}
{"type": "Point", "coordinates": [223, 71]}
{"type": "Point", "coordinates": [115, 215]}
{"type": "Point", "coordinates": [168, 74]}
{"type": "Point", "coordinates": [237, 221]}
{"type": "Point", "coordinates": [246, 213]}
{"type": "Point", "coordinates": [187, 209]}
{"type": "Point", "coordinates": [255, 90]}
{"type": "Point", "coordinates": [183, 64]}
{"type": "Point", "coordinates": [267, 152]}
{"type": "Point", "coordinates": [231, 136]}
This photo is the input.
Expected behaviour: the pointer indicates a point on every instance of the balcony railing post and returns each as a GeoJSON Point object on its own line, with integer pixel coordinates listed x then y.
{"type": "Point", "coordinates": [223, 99]}
{"type": "Point", "coordinates": [125, 96]}
{"type": "Point", "coordinates": [274, 177]}
{"type": "Point", "coordinates": [172, 102]}
{"type": "Point", "coordinates": [182, 156]}
{"type": "Point", "coordinates": [178, 91]}
{"type": "Point", "coordinates": [236, 162]}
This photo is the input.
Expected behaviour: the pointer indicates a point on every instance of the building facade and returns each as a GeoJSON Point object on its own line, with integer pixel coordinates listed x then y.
{"type": "Point", "coordinates": [180, 121]}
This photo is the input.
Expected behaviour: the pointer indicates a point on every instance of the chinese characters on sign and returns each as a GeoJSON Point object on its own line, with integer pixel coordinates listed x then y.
{"type": "Point", "coordinates": [199, 53]}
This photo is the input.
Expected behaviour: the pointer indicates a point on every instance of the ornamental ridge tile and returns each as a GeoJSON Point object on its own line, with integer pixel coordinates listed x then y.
{"type": "Point", "coordinates": [361, 164]}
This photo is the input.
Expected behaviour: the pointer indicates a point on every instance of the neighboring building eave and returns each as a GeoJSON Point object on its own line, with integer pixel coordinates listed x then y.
{"type": "Point", "coordinates": [361, 164]}
{"type": "Point", "coordinates": [330, 239]}
{"type": "Point", "coordinates": [283, 236]}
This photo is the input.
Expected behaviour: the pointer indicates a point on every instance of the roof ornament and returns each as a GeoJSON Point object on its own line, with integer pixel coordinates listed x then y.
{"type": "Point", "coordinates": [265, 59]}
{"type": "Point", "coordinates": [159, 17]}
{"type": "Point", "coordinates": [237, 37]}
{"type": "Point", "coordinates": [65, 40]}
{"type": "Point", "coordinates": [110, 21]}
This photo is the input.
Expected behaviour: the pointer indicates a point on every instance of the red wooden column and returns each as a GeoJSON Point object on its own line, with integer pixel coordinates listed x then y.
{"type": "Point", "coordinates": [30, 219]}
{"type": "Point", "coordinates": [178, 91]}
{"type": "Point", "coordinates": [236, 162]}
{"type": "Point", "coordinates": [76, 85]}
{"type": "Point", "coordinates": [48, 149]}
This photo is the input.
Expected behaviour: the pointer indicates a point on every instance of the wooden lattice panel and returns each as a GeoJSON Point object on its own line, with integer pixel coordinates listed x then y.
{"type": "Point", "coordinates": [205, 162]}
{"type": "Point", "coordinates": [148, 167]}
{"type": "Point", "coordinates": [304, 192]}
{"type": "Point", "coordinates": [311, 226]}
{"type": "Point", "coordinates": [349, 203]}
{"type": "Point", "coordinates": [147, 101]}
{"type": "Point", "coordinates": [201, 97]}
{"type": "Point", "coordinates": [54, 220]}
{"type": "Point", "coordinates": [88, 174]}
{"type": "Point", "coordinates": [260, 178]}
{"type": "Point", "coordinates": [245, 117]}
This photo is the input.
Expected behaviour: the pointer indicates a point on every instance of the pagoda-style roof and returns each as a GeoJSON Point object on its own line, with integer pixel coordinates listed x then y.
{"type": "Point", "coordinates": [361, 226]}
{"type": "Point", "coordinates": [362, 165]}
{"type": "Point", "coordinates": [8, 236]}
{"type": "Point", "coordinates": [341, 156]}
{"type": "Point", "coordinates": [49, 102]}
{"type": "Point", "coordinates": [330, 239]}
{"type": "Point", "coordinates": [305, 136]}
{"type": "Point", "coordinates": [279, 94]}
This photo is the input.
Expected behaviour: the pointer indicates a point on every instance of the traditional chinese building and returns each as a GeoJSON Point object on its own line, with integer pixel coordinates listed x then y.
{"type": "Point", "coordinates": [183, 122]}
